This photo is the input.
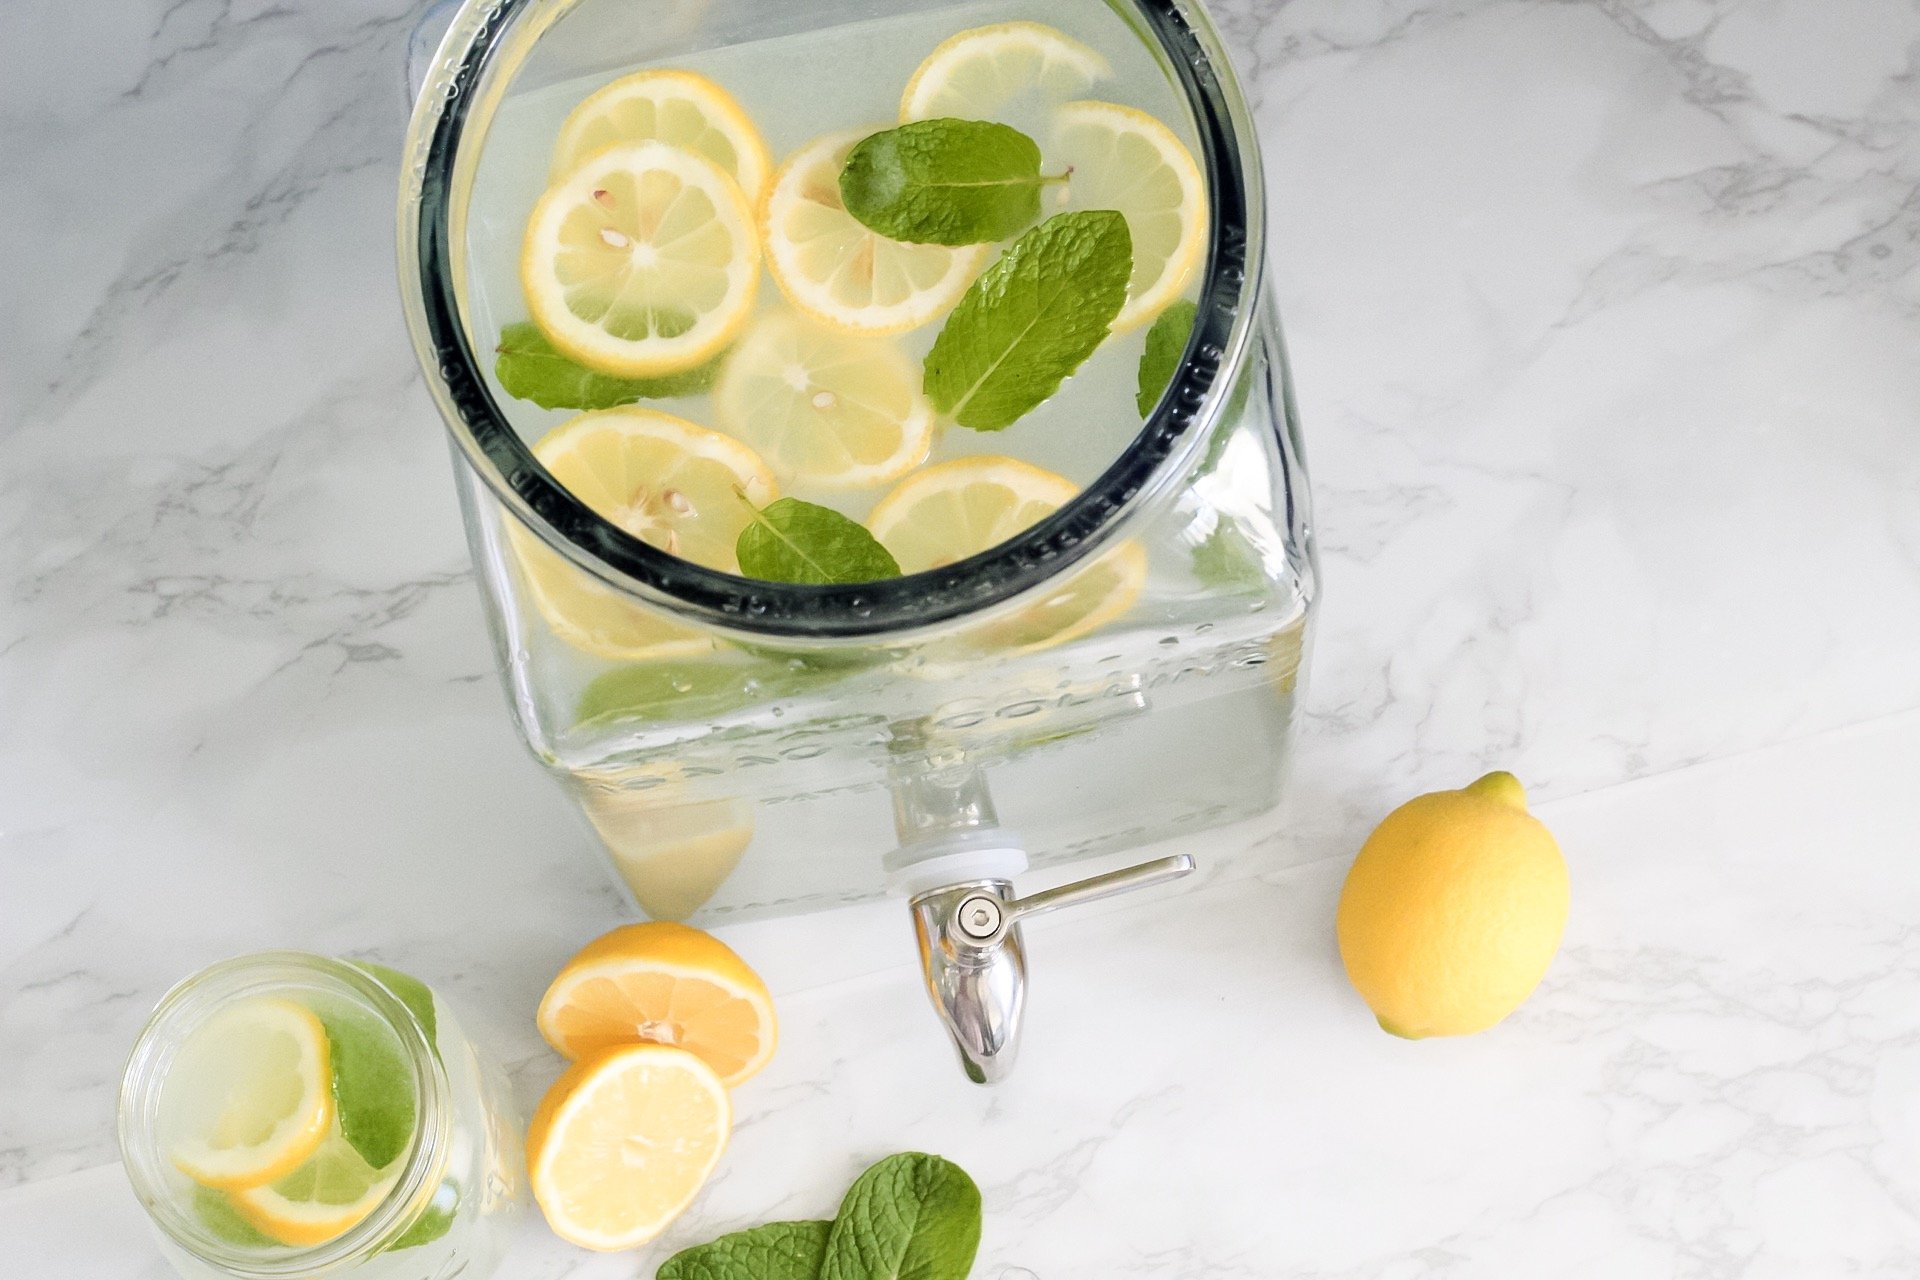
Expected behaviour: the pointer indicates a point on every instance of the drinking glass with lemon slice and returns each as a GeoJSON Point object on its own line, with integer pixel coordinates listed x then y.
{"type": "Point", "coordinates": [873, 432]}
{"type": "Point", "coordinates": [287, 1114]}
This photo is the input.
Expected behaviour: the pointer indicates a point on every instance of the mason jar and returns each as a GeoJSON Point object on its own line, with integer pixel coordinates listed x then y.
{"type": "Point", "coordinates": [452, 1189]}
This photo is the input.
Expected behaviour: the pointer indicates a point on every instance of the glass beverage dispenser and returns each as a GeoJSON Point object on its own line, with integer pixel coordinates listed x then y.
{"type": "Point", "coordinates": [782, 748]}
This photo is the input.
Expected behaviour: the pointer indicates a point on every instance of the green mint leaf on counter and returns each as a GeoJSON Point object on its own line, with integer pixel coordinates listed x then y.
{"type": "Point", "coordinates": [530, 368]}
{"type": "Point", "coordinates": [945, 182]}
{"type": "Point", "coordinates": [1166, 343]}
{"type": "Point", "coordinates": [794, 541]}
{"type": "Point", "coordinates": [411, 992]}
{"type": "Point", "coordinates": [696, 689]}
{"type": "Point", "coordinates": [912, 1216]}
{"type": "Point", "coordinates": [777, 1251]}
{"type": "Point", "coordinates": [1031, 319]}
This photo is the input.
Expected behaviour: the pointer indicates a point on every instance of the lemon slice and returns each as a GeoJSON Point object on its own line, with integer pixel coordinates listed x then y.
{"type": "Point", "coordinates": [947, 512]}
{"type": "Point", "coordinates": [624, 1141]}
{"type": "Point", "coordinates": [644, 260]}
{"type": "Point", "coordinates": [321, 1200]}
{"type": "Point", "coordinates": [1126, 160]}
{"type": "Point", "coordinates": [250, 1095]}
{"type": "Point", "coordinates": [680, 108]}
{"type": "Point", "coordinates": [823, 406]}
{"type": "Point", "coordinates": [669, 483]}
{"type": "Point", "coordinates": [667, 984]}
{"type": "Point", "coordinates": [836, 270]}
{"type": "Point", "coordinates": [977, 74]}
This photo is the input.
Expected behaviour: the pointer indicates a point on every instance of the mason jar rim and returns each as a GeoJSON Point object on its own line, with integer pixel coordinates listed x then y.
{"type": "Point", "coordinates": [468, 70]}
{"type": "Point", "coordinates": [197, 997]}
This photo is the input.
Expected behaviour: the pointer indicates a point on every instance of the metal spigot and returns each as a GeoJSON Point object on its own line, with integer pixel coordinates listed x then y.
{"type": "Point", "coordinates": [975, 961]}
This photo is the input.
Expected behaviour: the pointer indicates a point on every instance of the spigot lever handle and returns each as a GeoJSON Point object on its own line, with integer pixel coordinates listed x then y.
{"type": "Point", "coordinates": [983, 917]}
{"type": "Point", "coordinates": [1094, 888]}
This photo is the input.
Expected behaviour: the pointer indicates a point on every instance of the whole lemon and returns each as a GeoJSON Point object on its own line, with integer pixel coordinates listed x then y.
{"type": "Point", "coordinates": [1453, 910]}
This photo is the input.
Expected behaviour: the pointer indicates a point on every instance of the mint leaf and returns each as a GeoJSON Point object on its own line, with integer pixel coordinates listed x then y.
{"type": "Point", "coordinates": [912, 1216]}
{"type": "Point", "coordinates": [434, 1221]}
{"type": "Point", "coordinates": [1031, 319]}
{"type": "Point", "coordinates": [1166, 343]}
{"type": "Point", "coordinates": [1228, 561]}
{"type": "Point", "coordinates": [945, 182]}
{"type": "Point", "coordinates": [223, 1221]}
{"type": "Point", "coordinates": [777, 1251]}
{"type": "Point", "coordinates": [694, 690]}
{"type": "Point", "coordinates": [373, 1086]}
{"type": "Point", "coordinates": [530, 368]}
{"type": "Point", "coordinates": [411, 992]}
{"type": "Point", "coordinates": [794, 541]}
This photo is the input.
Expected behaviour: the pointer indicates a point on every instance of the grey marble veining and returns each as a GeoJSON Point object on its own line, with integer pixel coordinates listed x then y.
{"type": "Point", "coordinates": [1603, 317]}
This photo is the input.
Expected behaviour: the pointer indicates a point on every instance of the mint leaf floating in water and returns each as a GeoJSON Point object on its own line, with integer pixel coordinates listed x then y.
{"type": "Point", "coordinates": [794, 541]}
{"type": "Point", "coordinates": [411, 992]}
{"type": "Point", "coordinates": [1166, 343]}
{"type": "Point", "coordinates": [945, 182]}
{"type": "Point", "coordinates": [1031, 319]}
{"type": "Point", "coordinates": [777, 1251]}
{"type": "Point", "coordinates": [912, 1216]}
{"type": "Point", "coordinates": [696, 689]}
{"type": "Point", "coordinates": [530, 368]}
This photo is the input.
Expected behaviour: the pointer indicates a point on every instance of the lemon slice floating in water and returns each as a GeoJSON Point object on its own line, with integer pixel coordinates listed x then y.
{"type": "Point", "coordinates": [642, 261]}
{"type": "Point", "coordinates": [683, 109]}
{"type": "Point", "coordinates": [825, 407]}
{"type": "Point", "coordinates": [250, 1096]}
{"type": "Point", "coordinates": [839, 272]}
{"type": "Point", "coordinates": [1122, 159]}
{"type": "Point", "coordinates": [947, 512]}
{"type": "Point", "coordinates": [977, 74]}
{"type": "Point", "coordinates": [669, 483]}
{"type": "Point", "coordinates": [321, 1200]}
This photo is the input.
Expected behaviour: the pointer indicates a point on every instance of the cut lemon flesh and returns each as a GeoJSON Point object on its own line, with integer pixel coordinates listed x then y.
{"type": "Point", "coordinates": [947, 512]}
{"type": "Point", "coordinates": [321, 1200]}
{"type": "Point", "coordinates": [979, 74]}
{"type": "Point", "coordinates": [643, 260]}
{"type": "Point", "coordinates": [823, 406]}
{"type": "Point", "coordinates": [624, 1141]}
{"type": "Point", "coordinates": [837, 271]}
{"type": "Point", "coordinates": [662, 983]}
{"type": "Point", "coordinates": [683, 109]}
{"type": "Point", "coordinates": [250, 1095]}
{"type": "Point", "coordinates": [669, 483]}
{"type": "Point", "coordinates": [1126, 160]}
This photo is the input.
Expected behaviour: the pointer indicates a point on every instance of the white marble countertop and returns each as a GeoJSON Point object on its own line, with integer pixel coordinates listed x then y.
{"type": "Point", "coordinates": [1604, 316]}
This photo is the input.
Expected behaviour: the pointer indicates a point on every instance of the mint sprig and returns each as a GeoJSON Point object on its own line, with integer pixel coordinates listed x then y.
{"type": "Point", "coordinates": [794, 541]}
{"type": "Point", "coordinates": [531, 368]}
{"type": "Point", "coordinates": [777, 1251]}
{"type": "Point", "coordinates": [912, 1216]}
{"type": "Point", "coordinates": [1031, 319]}
{"type": "Point", "coordinates": [1166, 343]}
{"type": "Point", "coordinates": [945, 181]}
